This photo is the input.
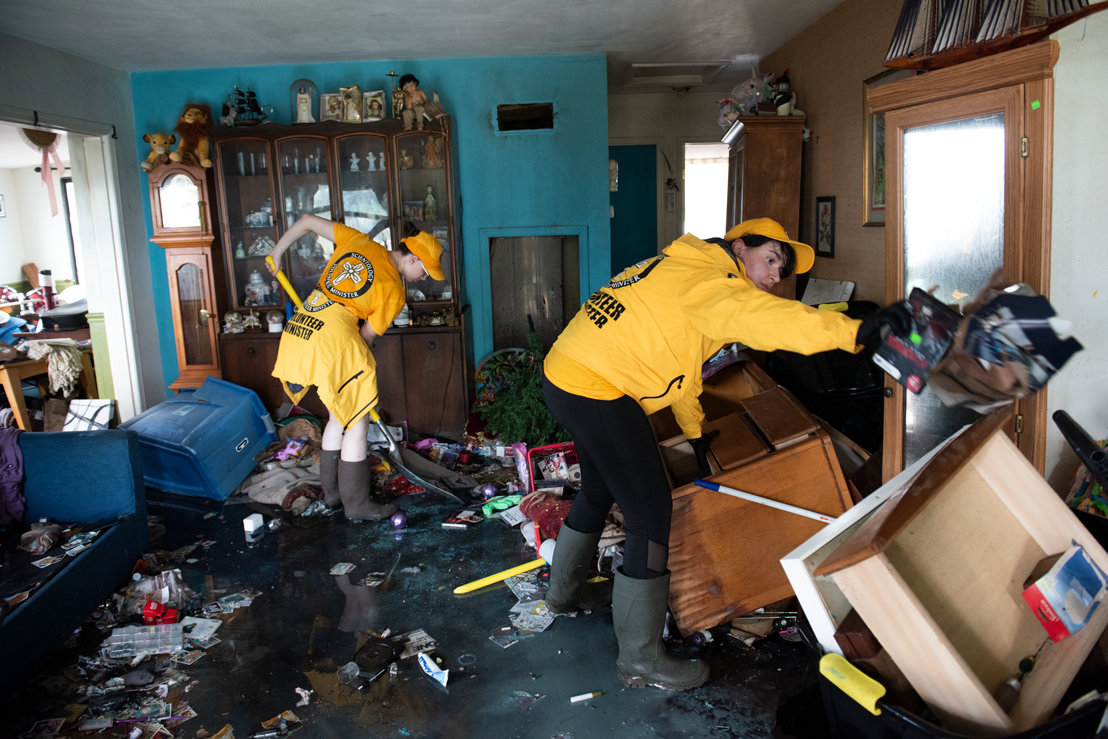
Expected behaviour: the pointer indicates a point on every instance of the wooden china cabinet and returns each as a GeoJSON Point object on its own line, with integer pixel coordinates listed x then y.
{"type": "Point", "coordinates": [764, 176]}
{"type": "Point", "coordinates": [372, 177]}
{"type": "Point", "coordinates": [181, 211]}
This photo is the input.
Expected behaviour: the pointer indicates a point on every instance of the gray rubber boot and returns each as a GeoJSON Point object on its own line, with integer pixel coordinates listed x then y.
{"type": "Point", "coordinates": [329, 477]}
{"type": "Point", "coordinates": [639, 612]}
{"type": "Point", "coordinates": [354, 485]}
{"type": "Point", "coordinates": [569, 589]}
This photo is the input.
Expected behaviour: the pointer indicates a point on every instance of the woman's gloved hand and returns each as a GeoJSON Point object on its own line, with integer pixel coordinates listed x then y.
{"type": "Point", "coordinates": [897, 316]}
{"type": "Point", "coordinates": [700, 447]}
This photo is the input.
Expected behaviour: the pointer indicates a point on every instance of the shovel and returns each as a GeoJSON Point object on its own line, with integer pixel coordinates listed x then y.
{"type": "Point", "coordinates": [408, 462]}
{"type": "Point", "coordinates": [405, 460]}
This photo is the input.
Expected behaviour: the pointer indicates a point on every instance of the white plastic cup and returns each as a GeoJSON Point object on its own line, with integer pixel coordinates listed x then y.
{"type": "Point", "coordinates": [546, 550]}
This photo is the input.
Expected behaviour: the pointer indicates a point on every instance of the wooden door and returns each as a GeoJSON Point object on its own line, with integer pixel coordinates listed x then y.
{"type": "Point", "coordinates": [963, 142]}
{"type": "Point", "coordinates": [435, 374]}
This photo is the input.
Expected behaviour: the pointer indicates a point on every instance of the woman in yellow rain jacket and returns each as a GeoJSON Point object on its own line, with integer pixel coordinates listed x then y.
{"type": "Point", "coordinates": [636, 346]}
{"type": "Point", "coordinates": [359, 294]}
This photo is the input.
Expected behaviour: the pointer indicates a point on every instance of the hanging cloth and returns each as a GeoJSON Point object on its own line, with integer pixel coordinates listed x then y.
{"type": "Point", "coordinates": [47, 143]}
{"type": "Point", "coordinates": [63, 362]}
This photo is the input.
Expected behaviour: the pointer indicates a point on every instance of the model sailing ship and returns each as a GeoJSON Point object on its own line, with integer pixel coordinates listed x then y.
{"type": "Point", "coordinates": [243, 109]}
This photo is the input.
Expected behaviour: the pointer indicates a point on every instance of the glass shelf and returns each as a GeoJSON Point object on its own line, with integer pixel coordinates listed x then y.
{"type": "Point", "coordinates": [422, 176]}
{"type": "Point", "coordinates": [304, 184]}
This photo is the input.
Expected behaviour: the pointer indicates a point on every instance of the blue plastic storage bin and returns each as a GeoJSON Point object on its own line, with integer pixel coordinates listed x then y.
{"type": "Point", "coordinates": [203, 443]}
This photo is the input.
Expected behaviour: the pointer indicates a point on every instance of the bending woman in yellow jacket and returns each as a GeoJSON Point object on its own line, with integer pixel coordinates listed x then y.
{"type": "Point", "coordinates": [359, 294]}
{"type": "Point", "coordinates": [636, 346]}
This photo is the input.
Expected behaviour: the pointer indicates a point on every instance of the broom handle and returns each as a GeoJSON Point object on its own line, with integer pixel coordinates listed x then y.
{"type": "Point", "coordinates": [280, 275]}
{"type": "Point", "coordinates": [765, 501]}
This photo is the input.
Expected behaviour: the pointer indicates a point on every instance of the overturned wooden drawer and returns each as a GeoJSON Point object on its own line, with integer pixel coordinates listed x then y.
{"type": "Point", "coordinates": [937, 574]}
{"type": "Point", "coordinates": [724, 551]}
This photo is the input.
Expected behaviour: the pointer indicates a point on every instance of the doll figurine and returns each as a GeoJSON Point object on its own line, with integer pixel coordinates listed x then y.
{"type": "Point", "coordinates": [415, 101]}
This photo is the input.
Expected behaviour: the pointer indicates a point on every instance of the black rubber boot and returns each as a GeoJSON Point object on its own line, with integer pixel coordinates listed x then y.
{"type": "Point", "coordinates": [569, 589]}
{"type": "Point", "coordinates": [638, 613]}
{"type": "Point", "coordinates": [329, 477]}
{"type": "Point", "coordinates": [354, 485]}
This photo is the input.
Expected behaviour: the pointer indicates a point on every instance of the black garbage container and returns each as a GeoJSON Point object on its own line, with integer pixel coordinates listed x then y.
{"type": "Point", "coordinates": [845, 390]}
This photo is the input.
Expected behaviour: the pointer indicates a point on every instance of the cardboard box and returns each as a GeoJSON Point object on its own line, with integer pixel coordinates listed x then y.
{"type": "Point", "coordinates": [1066, 595]}
{"type": "Point", "coordinates": [909, 359]}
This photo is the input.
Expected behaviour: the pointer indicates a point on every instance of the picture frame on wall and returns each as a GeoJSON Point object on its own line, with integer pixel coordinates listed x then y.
{"type": "Point", "coordinates": [330, 106]}
{"type": "Point", "coordinates": [873, 137]}
{"type": "Point", "coordinates": [825, 227]}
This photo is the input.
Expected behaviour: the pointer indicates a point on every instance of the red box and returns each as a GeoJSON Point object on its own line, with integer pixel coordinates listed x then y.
{"type": "Point", "coordinates": [156, 613]}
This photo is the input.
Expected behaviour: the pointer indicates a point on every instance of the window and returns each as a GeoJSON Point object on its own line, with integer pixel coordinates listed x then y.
{"type": "Point", "coordinates": [705, 202]}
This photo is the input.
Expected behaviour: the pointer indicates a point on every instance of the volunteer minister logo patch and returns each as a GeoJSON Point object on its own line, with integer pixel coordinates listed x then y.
{"type": "Point", "coordinates": [350, 276]}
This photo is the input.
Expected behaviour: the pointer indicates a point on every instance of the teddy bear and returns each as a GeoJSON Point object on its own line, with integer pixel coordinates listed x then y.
{"type": "Point", "coordinates": [159, 149]}
{"type": "Point", "coordinates": [194, 126]}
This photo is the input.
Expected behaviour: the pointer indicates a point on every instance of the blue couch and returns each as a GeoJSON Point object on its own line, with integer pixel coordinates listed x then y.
{"type": "Point", "coordinates": [75, 476]}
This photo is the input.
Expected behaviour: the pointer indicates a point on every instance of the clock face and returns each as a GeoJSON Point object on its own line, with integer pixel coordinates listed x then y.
{"type": "Point", "coordinates": [180, 200]}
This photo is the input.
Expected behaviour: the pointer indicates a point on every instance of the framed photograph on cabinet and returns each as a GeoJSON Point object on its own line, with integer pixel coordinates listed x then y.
{"type": "Point", "coordinates": [825, 227]}
{"type": "Point", "coordinates": [374, 105]}
{"type": "Point", "coordinates": [441, 234]}
{"type": "Point", "coordinates": [330, 106]}
{"type": "Point", "coordinates": [351, 104]}
{"type": "Point", "coordinates": [413, 210]}
{"type": "Point", "coordinates": [873, 160]}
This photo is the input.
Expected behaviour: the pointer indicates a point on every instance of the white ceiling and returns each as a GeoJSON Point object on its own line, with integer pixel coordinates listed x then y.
{"type": "Point", "coordinates": [651, 45]}
{"type": "Point", "coordinates": [143, 35]}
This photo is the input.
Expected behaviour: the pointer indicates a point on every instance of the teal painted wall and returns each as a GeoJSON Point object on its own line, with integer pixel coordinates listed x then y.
{"type": "Point", "coordinates": [521, 180]}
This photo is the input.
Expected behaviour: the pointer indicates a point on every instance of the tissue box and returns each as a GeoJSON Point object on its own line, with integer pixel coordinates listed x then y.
{"type": "Point", "coordinates": [1065, 597]}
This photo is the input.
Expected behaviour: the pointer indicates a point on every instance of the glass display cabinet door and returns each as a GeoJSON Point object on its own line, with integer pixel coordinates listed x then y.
{"type": "Point", "coordinates": [304, 187]}
{"type": "Point", "coordinates": [364, 181]}
{"type": "Point", "coordinates": [425, 200]}
{"type": "Point", "coordinates": [249, 221]}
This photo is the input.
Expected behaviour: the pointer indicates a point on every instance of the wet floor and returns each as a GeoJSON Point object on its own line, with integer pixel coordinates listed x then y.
{"type": "Point", "coordinates": [307, 623]}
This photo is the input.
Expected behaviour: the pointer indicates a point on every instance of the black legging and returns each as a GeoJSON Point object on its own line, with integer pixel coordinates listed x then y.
{"type": "Point", "coordinates": [619, 463]}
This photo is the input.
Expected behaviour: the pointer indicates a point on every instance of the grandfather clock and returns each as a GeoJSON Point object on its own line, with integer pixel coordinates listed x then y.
{"type": "Point", "coordinates": [181, 211]}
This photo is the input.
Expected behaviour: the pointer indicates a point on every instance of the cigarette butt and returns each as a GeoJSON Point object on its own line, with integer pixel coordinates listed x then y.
{"type": "Point", "coordinates": [584, 697]}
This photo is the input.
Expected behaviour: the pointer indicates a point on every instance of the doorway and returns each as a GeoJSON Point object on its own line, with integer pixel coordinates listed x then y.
{"type": "Point", "coordinates": [93, 199]}
{"type": "Point", "coordinates": [633, 199]}
{"type": "Point", "coordinates": [706, 189]}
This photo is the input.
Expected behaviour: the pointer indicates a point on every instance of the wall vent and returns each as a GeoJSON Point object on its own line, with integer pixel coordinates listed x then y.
{"type": "Point", "coordinates": [525, 117]}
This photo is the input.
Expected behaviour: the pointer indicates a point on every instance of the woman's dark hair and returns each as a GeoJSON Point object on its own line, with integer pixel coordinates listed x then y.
{"type": "Point", "coordinates": [407, 231]}
{"type": "Point", "coordinates": [753, 241]}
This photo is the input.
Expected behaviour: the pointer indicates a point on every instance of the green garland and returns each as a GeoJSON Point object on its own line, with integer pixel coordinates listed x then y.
{"type": "Point", "coordinates": [517, 412]}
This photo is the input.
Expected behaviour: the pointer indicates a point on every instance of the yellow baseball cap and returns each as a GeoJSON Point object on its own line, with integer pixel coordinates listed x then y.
{"type": "Point", "coordinates": [771, 229]}
{"type": "Point", "coordinates": [429, 250]}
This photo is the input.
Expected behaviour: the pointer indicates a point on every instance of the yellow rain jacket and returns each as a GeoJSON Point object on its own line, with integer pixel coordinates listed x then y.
{"type": "Point", "coordinates": [321, 345]}
{"type": "Point", "coordinates": [647, 332]}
